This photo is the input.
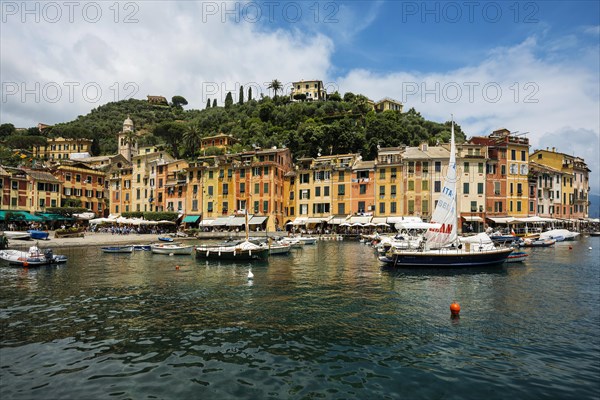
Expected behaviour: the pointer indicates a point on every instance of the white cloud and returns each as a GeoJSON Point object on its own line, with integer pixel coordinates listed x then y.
{"type": "Point", "coordinates": [555, 100]}
{"type": "Point", "coordinates": [175, 48]}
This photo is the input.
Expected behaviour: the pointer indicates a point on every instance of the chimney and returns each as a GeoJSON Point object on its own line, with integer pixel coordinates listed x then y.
{"type": "Point", "coordinates": [554, 149]}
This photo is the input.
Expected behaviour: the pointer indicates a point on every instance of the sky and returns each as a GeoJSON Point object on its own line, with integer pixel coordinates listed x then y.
{"type": "Point", "coordinates": [532, 67]}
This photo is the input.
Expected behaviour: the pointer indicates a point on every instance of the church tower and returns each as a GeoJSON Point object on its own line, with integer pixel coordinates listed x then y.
{"type": "Point", "coordinates": [128, 146]}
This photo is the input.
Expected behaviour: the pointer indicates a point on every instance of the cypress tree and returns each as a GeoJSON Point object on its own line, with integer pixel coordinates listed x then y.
{"type": "Point", "coordinates": [241, 100]}
{"type": "Point", "coordinates": [249, 93]}
{"type": "Point", "coordinates": [208, 103]}
{"type": "Point", "coordinates": [214, 103]}
{"type": "Point", "coordinates": [228, 100]}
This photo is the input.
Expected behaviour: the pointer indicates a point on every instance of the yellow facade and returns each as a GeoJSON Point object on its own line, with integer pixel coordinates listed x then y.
{"type": "Point", "coordinates": [388, 177]}
{"type": "Point", "coordinates": [62, 148]}
{"type": "Point", "coordinates": [81, 182]}
{"type": "Point", "coordinates": [517, 197]}
{"type": "Point", "coordinates": [313, 90]}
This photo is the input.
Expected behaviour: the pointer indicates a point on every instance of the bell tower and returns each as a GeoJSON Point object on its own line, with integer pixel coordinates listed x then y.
{"type": "Point", "coordinates": [127, 138]}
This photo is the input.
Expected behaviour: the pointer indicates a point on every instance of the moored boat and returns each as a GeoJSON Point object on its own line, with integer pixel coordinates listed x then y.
{"type": "Point", "coordinates": [279, 248]}
{"type": "Point", "coordinates": [175, 249]}
{"type": "Point", "coordinates": [117, 249]}
{"type": "Point", "coordinates": [243, 251]}
{"type": "Point", "coordinates": [165, 239]}
{"type": "Point", "coordinates": [537, 242]}
{"type": "Point", "coordinates": [517, 256]}
{"type": "Point", "coordinates": [143, 247]}
{"type": "Point", "coordinates": [17, 235]}
{"type": "Point", "coordinates": [595, 233]}
{"type": "Point", "coordinates": [559, 235]}
{"type": "Point", "coordinates": [38, 235]}
{"type": "Point", "coordinates": [33, 257]}
{"type": "Point", "coordinates": [307, 239]}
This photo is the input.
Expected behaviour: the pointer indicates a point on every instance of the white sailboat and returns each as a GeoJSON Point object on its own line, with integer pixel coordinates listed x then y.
{"type": "Point", "coordinates": [440, 246]}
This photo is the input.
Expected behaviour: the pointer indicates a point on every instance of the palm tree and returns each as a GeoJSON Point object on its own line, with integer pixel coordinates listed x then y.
{"type": "Point", "coordinates": [276, 86]}
{"type": "Point", "coordinates": [192, 137]}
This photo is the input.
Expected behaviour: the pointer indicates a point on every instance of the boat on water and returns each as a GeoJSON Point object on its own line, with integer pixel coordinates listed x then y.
{"type": "Point", "coordinates": [277, 248]}
{"type": "Point", "coordinates": [559, 235]}
{"type": "Point", "coordinates": [244, 250]}
{"type": "Point", "coordinates": [441, 246]}
{"type": "Point", "coordinates": [142, 247]}
{"type": "Point", "coordinates": [517, 256]}
{"type": "Point", "coordinates": [17, 235]}
{"type": "Point", "coordinates": [117, 249]}
{"type": "Point", "coordinates": [292, 241]}
{"type": "Point", "coordinates": [536, 242]}
{"type": "Point", "coordinates": [307, 239]}
{"type": "Point", "coordinates": [32, 258]}
{"type": "Point", "coordinates": [165, 239]}
{"type": "Point", "coordinates": [172, 248]}
{"type": "Point", "coordinates": [38, 235]}
{"type": "Point", "coordinates": [500, 238]}
{"type": "Point", "coordinates": [595, 233]}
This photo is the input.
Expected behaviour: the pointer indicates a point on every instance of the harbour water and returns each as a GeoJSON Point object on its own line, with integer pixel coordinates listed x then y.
{"type": "Point", "coordinates": [325, 322]}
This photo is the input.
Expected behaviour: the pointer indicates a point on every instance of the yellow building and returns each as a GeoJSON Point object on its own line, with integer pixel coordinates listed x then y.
{"type": "Point", "coordinates": [388, 181]}
{"type": "Point", "coordinates": [388, 104]}
{"type": "Point", "coordinates": [220, 141]}
{"type": "Point", "coordinates": [172, 187]}
{"type": "Point", "coordinates": [62, 148]}
{"type": "Point", "coordinates": [574, 187]}
{"type": "Point", "coordinates": [313, 90]}
{"type": "Point", "coordinates": [32, 190]}
{"type": "Point", "coordinates": [144, 182]}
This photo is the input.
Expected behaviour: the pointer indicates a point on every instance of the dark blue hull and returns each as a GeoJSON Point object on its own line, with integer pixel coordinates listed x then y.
{"type": "Point", "coordinates": [38, 235]}
{"type": "Point", "coordinates": [449, 260]}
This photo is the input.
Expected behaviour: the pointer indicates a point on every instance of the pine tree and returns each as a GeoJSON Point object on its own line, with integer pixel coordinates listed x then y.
{"type": "Point", "coordinates": [249, 93]}
{"type": "Point", "coordinates": [241, 100]}
{"type": "Point", "coordinates": [208, 103]}
{"type": "Point", "coordinates": [214, 103]}
{"type": "Point", "coordinates": [228, 100]}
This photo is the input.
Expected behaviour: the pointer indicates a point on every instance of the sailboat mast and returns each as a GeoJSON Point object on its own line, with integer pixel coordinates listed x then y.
{"type": "Point", "coordinates": [452, 146]}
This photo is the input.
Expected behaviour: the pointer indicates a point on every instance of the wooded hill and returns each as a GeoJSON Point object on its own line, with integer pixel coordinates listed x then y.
{"type": "Point", "coordinates": [339, 125]}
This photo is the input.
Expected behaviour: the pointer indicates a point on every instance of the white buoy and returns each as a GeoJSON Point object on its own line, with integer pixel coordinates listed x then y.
{"type": "Point", "coordinates": [589, 248]}
{"type": "Point", "coordinates": [250, 275]}
{"type": "Point", "coordinates": [171, 254]}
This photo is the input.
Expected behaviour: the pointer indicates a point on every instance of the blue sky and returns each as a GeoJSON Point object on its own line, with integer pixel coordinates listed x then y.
{"type": "Point", "coordinates": [525, 66]}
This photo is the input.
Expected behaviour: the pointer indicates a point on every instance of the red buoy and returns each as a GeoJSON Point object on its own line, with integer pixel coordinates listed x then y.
{"type": "Point", "coordinates": [454, 308]}
{"type": "Point", "coordinates": [177, 267]}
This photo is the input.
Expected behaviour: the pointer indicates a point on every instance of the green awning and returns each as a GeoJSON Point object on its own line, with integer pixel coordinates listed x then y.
{"type": "Point", "coordinates": [191, 219]}
{"type": "Point", "coordinates": [19, 216]}
{"type": "Point", "coordinates": [53, 217]}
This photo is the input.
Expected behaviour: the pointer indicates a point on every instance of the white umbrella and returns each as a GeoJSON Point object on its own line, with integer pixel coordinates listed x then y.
{"type": "Point", "coordinates": [357, 224]}
{"type": "Point", "coordinates": [345, 224]}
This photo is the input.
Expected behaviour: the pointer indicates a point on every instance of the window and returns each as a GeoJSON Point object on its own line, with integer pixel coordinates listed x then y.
{"type": "Point", "coordinates": [518, 206]}
{"type": "Point", "coordinates": [77, 178]}
{"type": "Point", "coordinates": [393, 190]}
{"type": "Point", "coordinates": [523, 155]}
{"type": "Point", "coordinates": [304, 178]}
{"type": "Point", "coordinates": [466, 188]}
{"type": "Point", "coordinates": [424, 185]}
{"type": "Point", "coordinates": [382, 173]}
{"type": "Point", "coordinates": [411, 206]}
{"type": "Point", "coordinates": [363, 189]}
{"type": "Point", "coordinates": [137, 194]}
{"type": "Point", "coordinates": [480, 168]}
{"type": "Point", "coordinates": [341, 176]}
{"type": "Point", "coordinates": [303, 209]}
{"type": "Point", "coordinates": [242, 187]}
{"type": "Point", "coordinates": [266, 206]}
{"type": "Point", "coordinates": [437, 186]}
{"type": "Point", "coordinates": [256, 207]}
{"type": "Point", "coordinates": [503, 170]}
{"type": "Point", "coordinates": [425, 206]}
{"type": "Point", "coordinates": [318, 191]}
{"type": "Point", "coordinates": [382, 208]}
{"type": "Point", "coordinates": [411, 185]}
{"type": "Point", "coordinates": [473, 206]}
{"type": "Point", "coordinates": [210, 190]}
{"type": "Point", "coordinates": [513, 154]}
{"type": "Point", "coordinates": [497, 188]}
{"type": "Point", "coordinates": [393, 207]}
{"type": "Point", "coordinates": [326, 191]}
{"type": "Point", "coordinates": [305, 194]}
{"type": "Point", "coordinates": [480, 188]}
{"type": "Point", "coordinates": [68, 177]}
{"type": "Point", "coordinates": [209, 206]}
{"type": "Point", "coordinates": [438, 166]}
{"type": "Point", "coordinates": [341, 209]}
{"type": "Point", "coordinates": [210, 174]}
{"type": "Point", "coordinates": [411, 167]}
{"type": "Point", "coordinates": [361, 206]}
{"type": "Point", "coordinates": [519, 188]}
{"type": "Point", "coordinates": [242, 173]}
{"type": "Point", "coordinates": [341, 190]}
{"type": "Point", "coordinates": [425, 167]}
{"type": "Point", "coordinates": [393, 173]}
{"type": "Point", "coordinates": [257, 188]}
{"type": "Point", "coordinates": [382, 190]}
{"type": "Point", "coordinates": [265, 188]}
{"type": "Point", "coordinates": [514, 169]}
{"type": "Point", "coordinates": [225, 188]}
{"type": "Point", "coordinates": [466, 167]}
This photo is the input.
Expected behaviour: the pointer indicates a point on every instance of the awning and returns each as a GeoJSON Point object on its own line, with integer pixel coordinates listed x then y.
{"type": "Point", "coordinates": [472, 218]}
{"type": "Point", "coordinates": [300, 221]}
{"type": "Point", "coordinates": [396, 220]}
{"type": "Point", "coordinates": [502, 220]}
{"type": "Point", "coordinates": [206, 222]}
{"type": "Point", "coordinates": [191, 219]}
{"type": "Point", "coordinates": [257, 220]}
{"type": "Point", "coordinates": [359, 220]}
{"type": "Point", "coordinates": [220, 221]}
{"type": "Point", "coordinates": [237, 221]}
{"type": "Point", "coordinates": [379, 220]}
{"type": "Point", "coordinates": [338, 220]}
{"type": "Point", "coordinates": [52, 217]}
{"type": "Point", "coordinates": [319, 220]}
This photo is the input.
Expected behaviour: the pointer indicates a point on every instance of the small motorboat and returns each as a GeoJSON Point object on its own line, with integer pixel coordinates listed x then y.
{"type": "Point", "coordinates": [118, 249]}
{"type": "Point", "coordinates": [517, 256]}
{"type": "Point", "coordinates": [537, 242]}
{"type": "Point", "coordinates": [165, 239]}
{"type": "Point", "coordinates": [595, 233]}
{"type": "Point", "coordinates": [32, 258]}
{"type": "Point", "coordinates": [307, 239]}
{"type": "Point", "coordinates": [279, 248]}
{"type": "Point", "coordinates": [559, 235]}
{"type": "Point", "coordinates": [142, 247]}
{"type": "Point", "coordinates": [242, 251]}
{"type": "Point", "coordinates": [175, 249]}
{"type": "Point", "coordinates": [499, 238]}
{"type": "Point", "coordinates": [38, 235]}
{"type": "Point", "coordinates": [17, 235]}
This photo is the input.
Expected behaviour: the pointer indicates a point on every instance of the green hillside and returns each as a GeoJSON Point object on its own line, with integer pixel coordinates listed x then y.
{"type": "Point", "coordinates": [307, 128]}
